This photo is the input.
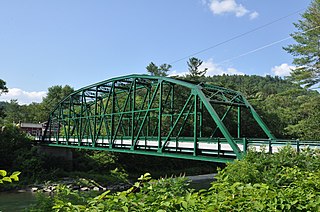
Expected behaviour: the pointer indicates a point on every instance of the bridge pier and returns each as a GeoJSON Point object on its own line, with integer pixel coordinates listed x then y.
{"type": "Point", "coordinates": [64, 154]}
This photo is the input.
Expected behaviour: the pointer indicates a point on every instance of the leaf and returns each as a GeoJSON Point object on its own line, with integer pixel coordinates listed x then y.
{"type": "Point", "coordinates": [3, 173]}
{"type": "Point", "coordinates": [14, 177]}
{"type": "Point", "coordinates": [103, 195]}
{"type": "Point", "coordinates": [8, 179]}
{"type": "Point", "coordinates": [16, 173]}
{"type": "Point", "coordinates": [136, 184]}
{"type": "Point", "coordinates": [184, 204]}
{"type": "Point", "coordinates": [125, 208]}
{"type": "Point", "coordinates": [146, 176]}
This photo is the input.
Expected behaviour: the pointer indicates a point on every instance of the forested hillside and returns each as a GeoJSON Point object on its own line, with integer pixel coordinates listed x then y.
{"type": "Point", "coordinates": [289, 110]}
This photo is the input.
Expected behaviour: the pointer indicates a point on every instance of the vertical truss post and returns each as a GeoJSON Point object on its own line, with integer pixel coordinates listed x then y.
{"type": "Point", "coordinates": [60, 117]}
{"type": "Point", "coordinates": [148, 118]}
{"type": "Point", "coordinates": [113, 105]}
{"type": "Point", "coordinates": [133, 107]}
{"type": "Point", "coordinates": [270, 146]}
{"type": "Point", "coordinates": [239, 122]}
{"type": "Point", "coordinates": [195, 125]}
{"type": "Point", "coordinates": [219, 146]}
{"type": "Point", "coordinates": [245, 145]}
{"type": "Point", "coordinates": [160, 115]}
{"type": "Point", "coordinates": [171, 105]}
{"type": "Point", "coordinates": [88, 121]}
{"type": "Point", "coordinates": [80, 130]}
{"type": "Point", "coordinates": [95, 136]}
{"type": "Point", "coordinates": [201, 118]}
{"type": "Point", "coordinates": [64, 121]}
{"type": "Point", "coordinates": [48, 127]}
{"type": "Point", "coordinates": [298, 145]}
{"type": "Point", "coordinates": [131, 110]}
{"type": "Point", "coordinates": [69, 121]}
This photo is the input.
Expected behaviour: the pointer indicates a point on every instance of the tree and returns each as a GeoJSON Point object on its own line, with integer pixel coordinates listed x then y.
{"type": "Point", "coordinates": [306, 51]}
{"type": "Point", "coordinates": [193, 68]}
{"type": "Point", "coordinates": [55, 94]}
{"type": "Point", "coordinates": [13, 112]}
{"type": "Point", "coordinates": [161, 70]}
{"type": "Point", "coordinates": [3, 88]}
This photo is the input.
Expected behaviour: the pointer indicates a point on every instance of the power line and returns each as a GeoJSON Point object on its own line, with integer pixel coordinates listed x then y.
{"type": "Point", "coordinates": [254, 50]}
{"type": "Point", "coordinates": [263, 47]}
{"type": "Point", "coordinates": [237, 36]}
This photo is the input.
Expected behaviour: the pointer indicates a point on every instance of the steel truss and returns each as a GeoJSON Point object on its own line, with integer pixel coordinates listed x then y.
{"type": "Point", "coordinates": [152, 115]}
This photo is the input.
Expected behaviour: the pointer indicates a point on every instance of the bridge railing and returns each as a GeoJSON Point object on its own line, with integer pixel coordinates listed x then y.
{"type": "Point", "coordinates": [207, 148]}
{"type": "Point", "coordinates": [272, 145]}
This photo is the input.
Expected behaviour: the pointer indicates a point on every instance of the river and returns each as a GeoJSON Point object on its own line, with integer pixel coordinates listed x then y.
{"type": "Point", "coordinates": [16, 201]}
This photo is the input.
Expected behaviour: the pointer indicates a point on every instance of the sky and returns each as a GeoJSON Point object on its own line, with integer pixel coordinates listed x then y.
{"type": "Point", "coordinates": [81, 42]}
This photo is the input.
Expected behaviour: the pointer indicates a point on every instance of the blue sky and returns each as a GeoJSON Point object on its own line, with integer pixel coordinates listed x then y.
{"type": "Point", "coordinates": [78, 42]}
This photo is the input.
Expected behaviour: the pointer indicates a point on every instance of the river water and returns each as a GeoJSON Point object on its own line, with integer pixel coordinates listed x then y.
{"type": "Point", "coordinates": [16, 201]}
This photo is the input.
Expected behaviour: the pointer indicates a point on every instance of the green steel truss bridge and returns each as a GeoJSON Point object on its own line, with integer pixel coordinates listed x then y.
{"type": "Point", "coordinates": [159, 116]}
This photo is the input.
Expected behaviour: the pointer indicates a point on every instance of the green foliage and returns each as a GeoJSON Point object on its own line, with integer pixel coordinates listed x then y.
{"type": "Point", "coordinates": [193, 68]}
{"type": "Point", "coordinates": [307, 118]}
{"type": "Point", "coordinates": [55, 94]}
{"type": "Point", "coordinates": [261, 167]}
{"type": "Point", "coordinates": [11, 140]}
{"type": "Point", "coordinates": [44, 202]}
{"type": "Point", "coordinates": [161, 70]}
{"type": "Point", "coordinates": [306, 50]}
{"type": "Point", "coordinates": [144, 195]}
{"type": "Point", "coordinates": [3, 87]}
{"type": "Point", "coordinates": [284, 181]}
{"type": "Point", "coordinates": [289, 110]}
{"type": "Point", "coordinates": [4, 177]}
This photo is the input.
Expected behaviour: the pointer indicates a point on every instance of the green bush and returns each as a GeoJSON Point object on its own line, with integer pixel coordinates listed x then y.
{"type": "Point", "coordinates": [284, 181]}
{"type": "Point", "coordinates": [262, 167]}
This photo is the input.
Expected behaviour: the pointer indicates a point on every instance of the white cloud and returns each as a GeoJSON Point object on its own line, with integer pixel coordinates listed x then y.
{"type": "Point", "coordinates": [23, 97]}
{"type": "Point", "coordinates": [212, 69]}
{"type": "Point", "coordinates": [254, 15]}
{"type": "Point", "coordinates": [283, 70]}
{"type": "Point", "coordinates": [178, 73]}
{"type": "Point", "coordinates": [219, 7]}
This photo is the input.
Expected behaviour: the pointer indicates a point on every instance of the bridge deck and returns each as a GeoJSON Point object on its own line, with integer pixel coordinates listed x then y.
{"type": "Point", "coordinates": [213, 151]}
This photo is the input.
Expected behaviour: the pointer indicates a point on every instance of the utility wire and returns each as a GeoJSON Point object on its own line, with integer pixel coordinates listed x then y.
{"type": "Point", "coordinates": [237, 36]}
{"type": "Point", "coordinates": [265, 46]}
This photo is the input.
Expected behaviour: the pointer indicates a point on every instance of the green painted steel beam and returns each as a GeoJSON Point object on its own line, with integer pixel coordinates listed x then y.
{"type": "Point", "coordinates": [151, 108]}
{"type": "Point", "coordinates": [151, 153]}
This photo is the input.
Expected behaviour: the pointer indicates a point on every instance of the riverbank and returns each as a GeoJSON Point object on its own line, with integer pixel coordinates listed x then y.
{"type": "Point", "coordinates": [90, 185]}
{"type": "Point", "coordinates": [21, 199]}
